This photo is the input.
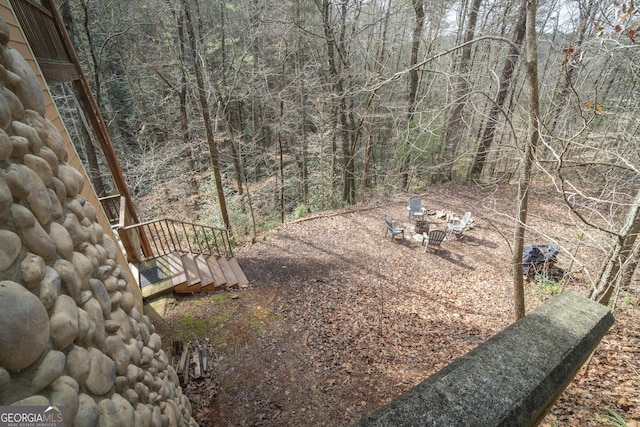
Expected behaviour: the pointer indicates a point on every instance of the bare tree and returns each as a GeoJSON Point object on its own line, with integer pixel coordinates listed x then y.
{"type": "Point", "coordinates": [454, 130]}
{"type": "Point", "coordinates": [498, 104]}
{"type": "Point", "coordinates": [529, 157]}
{"type": "Point", "coordinates": [418, 28]}
{"type": "Point", "coordinates": [206, 117]}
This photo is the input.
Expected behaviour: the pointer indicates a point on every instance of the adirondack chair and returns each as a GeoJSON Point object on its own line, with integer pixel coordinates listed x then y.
{"type": "Point", "coordinates": [415, 209]}
{"type": "Point", "coordinates": [392, 227]}
{"type": "Point", "coordinates": [433, 239]}
{"type": "Point", "coordinates": [457, 225]}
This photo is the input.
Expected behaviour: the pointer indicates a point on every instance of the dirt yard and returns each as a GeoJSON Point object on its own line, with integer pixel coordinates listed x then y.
{"type": "Point", "coordinates": [338, 319]}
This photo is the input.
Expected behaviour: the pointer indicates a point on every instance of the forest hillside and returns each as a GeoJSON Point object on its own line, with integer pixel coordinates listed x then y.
{"type": "Point", "coordinates": [338, 319]}
{"type": "Point", "coordinates": [258, 112]}
{"type": "Point", "coordinates": [249, 114]}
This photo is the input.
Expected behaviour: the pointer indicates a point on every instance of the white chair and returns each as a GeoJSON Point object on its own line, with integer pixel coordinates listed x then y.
{"type": "Point", "coordinates": [457, 225]}
{"type": "Point", "coordinates": [415, 209]}
{"type": "Point", "coordinates": [433, 239]}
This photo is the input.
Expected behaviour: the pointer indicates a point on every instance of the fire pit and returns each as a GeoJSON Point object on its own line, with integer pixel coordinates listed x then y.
{"type": "Point", "coordinates": [421, 227]}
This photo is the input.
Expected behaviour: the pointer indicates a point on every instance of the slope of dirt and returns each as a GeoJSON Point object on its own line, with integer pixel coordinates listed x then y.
{"type": "Point", "coordinates": [338, 319]}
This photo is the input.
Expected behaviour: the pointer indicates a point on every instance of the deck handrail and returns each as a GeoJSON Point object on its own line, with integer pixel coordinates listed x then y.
{"type": "Point", "coordinates": [166, 235]}
{"type": "Point", "coordinates": [111, 206]}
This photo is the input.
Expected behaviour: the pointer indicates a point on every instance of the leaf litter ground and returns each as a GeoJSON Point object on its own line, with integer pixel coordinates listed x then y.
{"type": "Point", "coordinates": [338, 319]}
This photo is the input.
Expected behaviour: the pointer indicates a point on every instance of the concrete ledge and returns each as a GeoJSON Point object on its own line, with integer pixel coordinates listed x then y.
{"type": "Point", "coordinates": [510, 380]}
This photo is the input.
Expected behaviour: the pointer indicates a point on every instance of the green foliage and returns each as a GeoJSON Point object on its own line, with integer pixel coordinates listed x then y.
{"type": "Point", "coordinates": [210, 213]}
{"type": "Point", "coordinates": [190, 327]}
{"type": "Point", "coordinates": [300, 211]}
{"type": "Point", "coordinates": [419, 150]}
{"type": "Point", "coordinates": [270, 222]}
{"type": "Point", "coordinates": [626, 300]}
{"type": "Point", "coordinates": [544, 287]}
{"type": "Point", "coordinates": [421, 143]}
{"type": "Point", "coordinates": [611, 418]}
{"type": "Point", "coordinates": [219, 298]}
{"type": "Point", "coordinates": [323, 197]}
{"type": "Point", "coordinates": [221, 320]}
{"type": "Point", "coordinates": [204, 235]}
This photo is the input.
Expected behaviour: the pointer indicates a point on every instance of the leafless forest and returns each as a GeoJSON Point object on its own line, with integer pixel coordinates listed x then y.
{"type": "Point", "coordinates": [251, 113]}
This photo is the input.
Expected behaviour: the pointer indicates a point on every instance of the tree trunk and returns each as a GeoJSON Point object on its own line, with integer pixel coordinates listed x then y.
{"type": "Point", "coordinates": [229, 111]}
{"type": "Point", "coordinates": [414, 74]}
{"type": "Point", "coordinates": [503, 88]}
{"type": "Point", "coordinates": [369, 149]}
{"type": "Point", "coordinates": [529, 155]}
{"type": "Point", "coordinates": [281, 163]}
{"type": "Point", "coordinates": [454, 131]}
{"type": "Point", "coordinates": [95, 64]}
{"type": "Point", "coordinates": [91, 150]}
{"type": "Point", "coordinates": [182, 99]}
{"type": "Point", "coordinates": [345, 117]}
{"type": "Point", "coordinates": [206, 118]}
{"type": "Point", "coordinates": [620, 264]}
{"type": "Point", "coordinates": [304, 169]}
{"type": "Point", "coordinates": [569, 65]}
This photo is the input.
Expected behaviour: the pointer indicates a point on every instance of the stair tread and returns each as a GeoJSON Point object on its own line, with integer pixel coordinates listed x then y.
{"type": "Point", "coordinates": [175, 268]}
{"type": "Point", "coordinates": [232, 280]}
{"type": "Point", "coordinates": [206, 276]}
{"type": "Point", "coordinates": [191, 271]}
{"type": "Point", "coordinates": [218, 276]}
{"type": "Point", "coordinates": [237, 270]}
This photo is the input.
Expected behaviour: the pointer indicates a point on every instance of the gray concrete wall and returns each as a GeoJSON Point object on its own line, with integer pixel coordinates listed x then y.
{"type": "Point", "coordinates": [510, 380]}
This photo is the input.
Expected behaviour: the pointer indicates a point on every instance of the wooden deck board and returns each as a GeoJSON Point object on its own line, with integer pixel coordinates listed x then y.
{"type": "Point", "coordinates": [232, 280]}
{"type": "Point", "coordinates": [218, 276]}
{"type": "Point", "coordinates": [191, 271]}
{"type": "Point", "coordinates": [206, 276]}
{"type": "Point", "coordinates": [237, 270]}
{"type": "Point", "coordinates": [155, 277]}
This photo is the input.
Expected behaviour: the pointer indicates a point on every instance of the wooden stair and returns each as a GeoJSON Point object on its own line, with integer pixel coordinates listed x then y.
{"type": "Point", "coordinates": [185, 273]}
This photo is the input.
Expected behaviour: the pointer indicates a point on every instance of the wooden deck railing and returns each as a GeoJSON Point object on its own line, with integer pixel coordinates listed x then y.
{"type": "Point", "coordinates": [111, 206]}
{"type": "Point", "coordinates": [164, 236]}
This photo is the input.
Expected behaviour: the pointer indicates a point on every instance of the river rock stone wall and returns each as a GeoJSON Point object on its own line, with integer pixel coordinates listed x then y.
{"type": "Point", "coordinates": [70, 330]}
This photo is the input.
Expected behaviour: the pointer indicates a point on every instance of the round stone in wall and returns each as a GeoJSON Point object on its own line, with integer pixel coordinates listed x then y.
{"type": "Point", "coordinates": [103, 373]}
{"type": "Point", "coordinates": [51, 367]}
{"type": "Point", "coordinates": [33, 270]}
{"type": "Point", "coordinates": [29, 91]}
{"type": "Point", "coordinates": [6, 198]}
{"type": "Point", "coordinates": [9, 249]}
{"type": "Point", "coordinates": [5, 112]}
{"type": "Point", "coordinates": [78, 364]}
{"type": "Point", "coordinates": [88, 411]}
{"type": "Point", "coordinates": [24, 326]}
{"type": "Point", "coordinates": [64, 322]}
